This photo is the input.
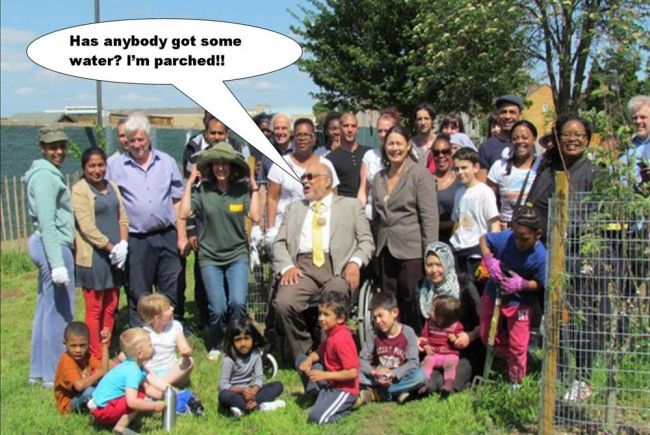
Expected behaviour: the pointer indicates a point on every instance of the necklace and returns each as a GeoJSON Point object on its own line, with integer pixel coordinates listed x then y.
{"type": "Point", "coordinates": [445, 181]}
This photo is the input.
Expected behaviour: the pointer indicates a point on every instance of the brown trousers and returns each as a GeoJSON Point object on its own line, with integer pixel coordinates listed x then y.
{"type": "Point", "coordinates": [292, 300]}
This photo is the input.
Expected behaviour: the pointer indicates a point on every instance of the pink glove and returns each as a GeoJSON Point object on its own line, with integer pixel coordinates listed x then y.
{"type": "Point", "coordinates": [513, 284]}
{"type": "Point", "coordinates": [494, 268]}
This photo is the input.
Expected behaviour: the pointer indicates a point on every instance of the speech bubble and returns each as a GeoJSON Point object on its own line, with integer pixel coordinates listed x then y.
{"type": "Point", "coordinates": [194, 56]}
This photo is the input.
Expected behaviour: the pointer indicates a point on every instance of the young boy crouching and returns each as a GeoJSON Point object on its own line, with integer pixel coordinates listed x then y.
{"type": "Point", "coordinates": [390, 366]}
{"type": "Point", "coordinates": [121, 393]}
{"type": "Point", "coordinates": [78, 371]}
{"type": "Point", "coordinates": [336, 379]}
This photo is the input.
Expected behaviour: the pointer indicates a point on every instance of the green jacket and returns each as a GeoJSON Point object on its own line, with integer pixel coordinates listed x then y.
{"type": "Point", "coordinates": [50, 209]}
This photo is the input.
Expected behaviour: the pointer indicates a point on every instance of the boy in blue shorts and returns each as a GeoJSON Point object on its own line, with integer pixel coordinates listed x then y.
{"type": "Point", "coordinates": [121, 392]}
{"type": "Point", "coordinates": [333, 370]}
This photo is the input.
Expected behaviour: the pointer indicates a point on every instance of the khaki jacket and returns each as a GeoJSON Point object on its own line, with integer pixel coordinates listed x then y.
{"type": "Point", "coordinates": [350, 234]}
{"type": "Point", "coordinates": [408, 220]}
{"type": "Point", "coordinates": [87, 236]}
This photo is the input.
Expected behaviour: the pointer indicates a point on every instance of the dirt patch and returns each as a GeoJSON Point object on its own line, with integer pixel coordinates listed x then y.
{"type": "Point", "coordinates": [31, 275]}
{"type": "Point", "coordinates": [11, 293]}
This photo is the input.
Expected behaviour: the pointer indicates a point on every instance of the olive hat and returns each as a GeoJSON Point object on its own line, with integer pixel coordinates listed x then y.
{"type": "Point", "coordinates": [223, 151]}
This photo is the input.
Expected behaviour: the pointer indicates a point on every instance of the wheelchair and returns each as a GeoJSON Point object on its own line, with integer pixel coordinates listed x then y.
{"type": "Point", "coordinates": [359, 320]}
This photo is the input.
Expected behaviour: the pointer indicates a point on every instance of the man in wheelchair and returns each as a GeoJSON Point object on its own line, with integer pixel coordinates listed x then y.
{"type": "Point", "coordinates": [323, 242]}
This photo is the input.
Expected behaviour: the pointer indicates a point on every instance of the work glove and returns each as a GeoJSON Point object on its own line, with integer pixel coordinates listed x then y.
{"type": "Point", "coordinates": [119, 253]}
{"type": "Point", "coordinates": [254, 257]}
{"type": "Point", "coordinates": [60, 276]}
{"type": "Point", "coordinates": [494, 268]}
{"type": "Point", "coordinates": [513, 284]}
{"type": "Point", "coordinates": [270, 237]}
{"type": "Point", "coordinates": [256, 235]}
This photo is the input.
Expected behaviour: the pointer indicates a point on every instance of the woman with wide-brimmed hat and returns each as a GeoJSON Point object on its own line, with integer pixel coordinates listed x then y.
{"type": "Point", "coordinates": [221, 201]}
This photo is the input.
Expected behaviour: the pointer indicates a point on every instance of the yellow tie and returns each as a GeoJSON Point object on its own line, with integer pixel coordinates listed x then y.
{"type": "Point", "coordinates": [318, 255]}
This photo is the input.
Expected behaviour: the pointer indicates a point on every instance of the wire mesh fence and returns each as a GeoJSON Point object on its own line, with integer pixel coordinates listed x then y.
{"type": "Point", "coordinates": [600, 339]}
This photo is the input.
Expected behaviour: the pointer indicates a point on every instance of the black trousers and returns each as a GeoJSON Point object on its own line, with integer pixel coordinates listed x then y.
{"type": "Point", "coordinates": [153, 261]}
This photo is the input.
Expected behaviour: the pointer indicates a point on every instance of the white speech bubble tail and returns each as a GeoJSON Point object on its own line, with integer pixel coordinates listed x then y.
{"type": "Point", "coordinates": [217, 99]}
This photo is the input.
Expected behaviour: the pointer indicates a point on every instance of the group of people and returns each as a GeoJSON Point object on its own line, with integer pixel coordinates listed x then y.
{"type": "Point", "coordinates": [417, 215]}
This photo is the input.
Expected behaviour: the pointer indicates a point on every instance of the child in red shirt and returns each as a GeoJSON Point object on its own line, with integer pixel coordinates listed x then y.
{"type": "Point", "coordinates": [78, 371]}
{"type": "Point", "coordinates": [336, 380]}
{"type": "Point", "coordinates": [440, 331]}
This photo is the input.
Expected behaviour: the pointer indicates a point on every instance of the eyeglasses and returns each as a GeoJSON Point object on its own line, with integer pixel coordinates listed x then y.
{"type": "Point", "coordinates": [310, 177]}
{"type": "Point", "coordinates": [446, 152]}
{"type": "Point", "coordinates": [573, 135]}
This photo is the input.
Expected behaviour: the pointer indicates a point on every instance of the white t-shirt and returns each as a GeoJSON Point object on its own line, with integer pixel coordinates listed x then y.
{"type": "Point", "coordinates": [372, 159]}
{"type": "Point", "coordinates": [473, 210]}
{"type": "Point", "coordinates": [510, 185]}
{"type": "Point", "coordinates": [291, 190]}
{"type": "Point", "coordinates": [164, 345]}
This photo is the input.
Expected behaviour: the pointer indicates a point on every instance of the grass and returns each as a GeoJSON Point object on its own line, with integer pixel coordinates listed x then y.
{"type": "Point", "coordinates": [28, 409]}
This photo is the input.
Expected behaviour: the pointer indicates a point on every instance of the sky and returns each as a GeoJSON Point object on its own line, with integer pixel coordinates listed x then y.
{"type": "Point", "coordinates": [27, 87]}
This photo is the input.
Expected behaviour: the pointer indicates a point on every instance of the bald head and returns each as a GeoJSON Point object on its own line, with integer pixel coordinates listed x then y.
{"type": "Point", "coordinates": [281, 125]}
{"type": "Point", "coordinates": [320, 184]}
{"type": "Point", "coordinates": [349, 130]}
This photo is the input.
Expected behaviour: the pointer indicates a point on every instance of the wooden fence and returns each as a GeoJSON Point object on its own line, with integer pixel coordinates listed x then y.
{"type": "Point", "coordinates": [15, 223]}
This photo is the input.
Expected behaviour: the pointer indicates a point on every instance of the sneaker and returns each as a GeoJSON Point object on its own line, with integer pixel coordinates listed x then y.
{"type": "Point", "coordinates": [236, 412]}
{"type": "Point", "coordinates": [48, 385]}
{"type": "Point", "coordinates": [272, 406]}
{"type": "Point", "coordinates": [214, 354]}
{"type": "Point", "coordinates": [514, 386]}
{"type": "Point", "coordinates": [403, 397]}
{"type": "Point", "coordinates": [369, 395]}
{"type": "Point", "coordinates": [580, 392]}
{"type": "Point", "coordinates": [195, 407]}
{"type": "Point", "coordinates": [35, 381]}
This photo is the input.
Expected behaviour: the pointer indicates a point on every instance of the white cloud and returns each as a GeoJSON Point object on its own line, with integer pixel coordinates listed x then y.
{"type": "Point", "coordinates": [132, 97]}
{"type": "Point", "coordinates": [264, 85]}
{"type": "Point", "coordinates": [25, 91]}
{"type": "Point", "coordinates": [14, 61]}
{"type": "Point", "coordinates": [16, 36]}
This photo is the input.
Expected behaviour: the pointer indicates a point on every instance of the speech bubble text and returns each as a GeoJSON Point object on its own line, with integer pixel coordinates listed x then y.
{"type": "Point", "coordinates": [195, 56]}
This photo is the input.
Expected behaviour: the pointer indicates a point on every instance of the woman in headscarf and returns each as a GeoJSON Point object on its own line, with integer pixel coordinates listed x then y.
{"type": "Point", "coordinates": [441, 279]}
{"type": "Point", "coordinates": [221, 202]}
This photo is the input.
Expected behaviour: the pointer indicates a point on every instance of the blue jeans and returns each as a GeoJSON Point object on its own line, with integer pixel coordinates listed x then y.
{"type": "Point", "coordinates": [78, 402]}
{"type": "Point", "coordinates": [222, 309]}
{"type": "Point", "coordinates": [54, 310]}
{"type": "Point", "coordinates": [413, 380]}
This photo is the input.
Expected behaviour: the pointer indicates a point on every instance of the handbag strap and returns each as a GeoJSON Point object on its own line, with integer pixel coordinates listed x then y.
{"type": "Point", "coordinates": [523, 189]}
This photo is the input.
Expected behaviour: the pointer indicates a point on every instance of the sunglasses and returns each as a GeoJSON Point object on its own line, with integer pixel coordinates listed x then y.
{"type": "Point", "coordinates": [446, 152]}
{"type": "Point", "coordinates": [310, 177]}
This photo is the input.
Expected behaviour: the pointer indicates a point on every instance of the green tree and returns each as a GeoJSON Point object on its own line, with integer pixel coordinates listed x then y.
{"type": "Point", "coordinates": [563, 35]}
{"type": "Point", "coordinates": [357, 52]}
{"type": "Point", "coordinates": [466, 53]}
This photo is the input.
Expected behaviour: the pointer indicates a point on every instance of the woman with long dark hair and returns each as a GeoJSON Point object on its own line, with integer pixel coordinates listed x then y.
{"type": "Point", "coordinates": [100, 242]}
{"type": "Point", "coordinates": [405, 221]}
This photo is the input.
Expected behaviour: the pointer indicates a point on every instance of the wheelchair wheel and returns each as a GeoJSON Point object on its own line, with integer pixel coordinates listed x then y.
{"type": "Point", "coordinates": [364, 316]}
{"type": "Point", "coordinates": [270, 365]}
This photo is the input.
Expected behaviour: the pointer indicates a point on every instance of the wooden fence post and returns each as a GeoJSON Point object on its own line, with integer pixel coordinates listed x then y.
{"type": "Point", "coordinates": [16, 242]}
{"type": "Point", "coordinates": [554, 303]}
{"type": "Point", "coordinates": [8, 202]}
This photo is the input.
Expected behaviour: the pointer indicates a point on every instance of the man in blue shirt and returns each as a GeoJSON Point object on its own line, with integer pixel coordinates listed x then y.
{"type": "Point", "coordinates": [151, 187]}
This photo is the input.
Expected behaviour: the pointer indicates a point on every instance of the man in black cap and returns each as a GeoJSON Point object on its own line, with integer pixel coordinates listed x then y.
{"type": "Point", "coordinates": [509, 109]}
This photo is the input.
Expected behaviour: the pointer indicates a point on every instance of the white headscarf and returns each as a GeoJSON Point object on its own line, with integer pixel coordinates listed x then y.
{"type": "Point", "coordinates": [448, 286]}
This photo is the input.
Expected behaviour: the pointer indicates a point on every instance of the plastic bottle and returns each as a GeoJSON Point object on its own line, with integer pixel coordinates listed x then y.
{"type": "Point", "coordinates": [169, 415]}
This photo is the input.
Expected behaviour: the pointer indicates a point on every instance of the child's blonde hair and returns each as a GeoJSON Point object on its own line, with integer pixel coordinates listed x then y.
{"type": "Point", "coordinates": [150, 306]}
{"type": "Point", "coordinates": [132, 340]}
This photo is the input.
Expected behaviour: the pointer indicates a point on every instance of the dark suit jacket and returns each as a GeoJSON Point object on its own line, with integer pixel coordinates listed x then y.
{"type": "Point", "coordinates": [409, 220]}
{"type": "Point", "coordinates": [350, 234]}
